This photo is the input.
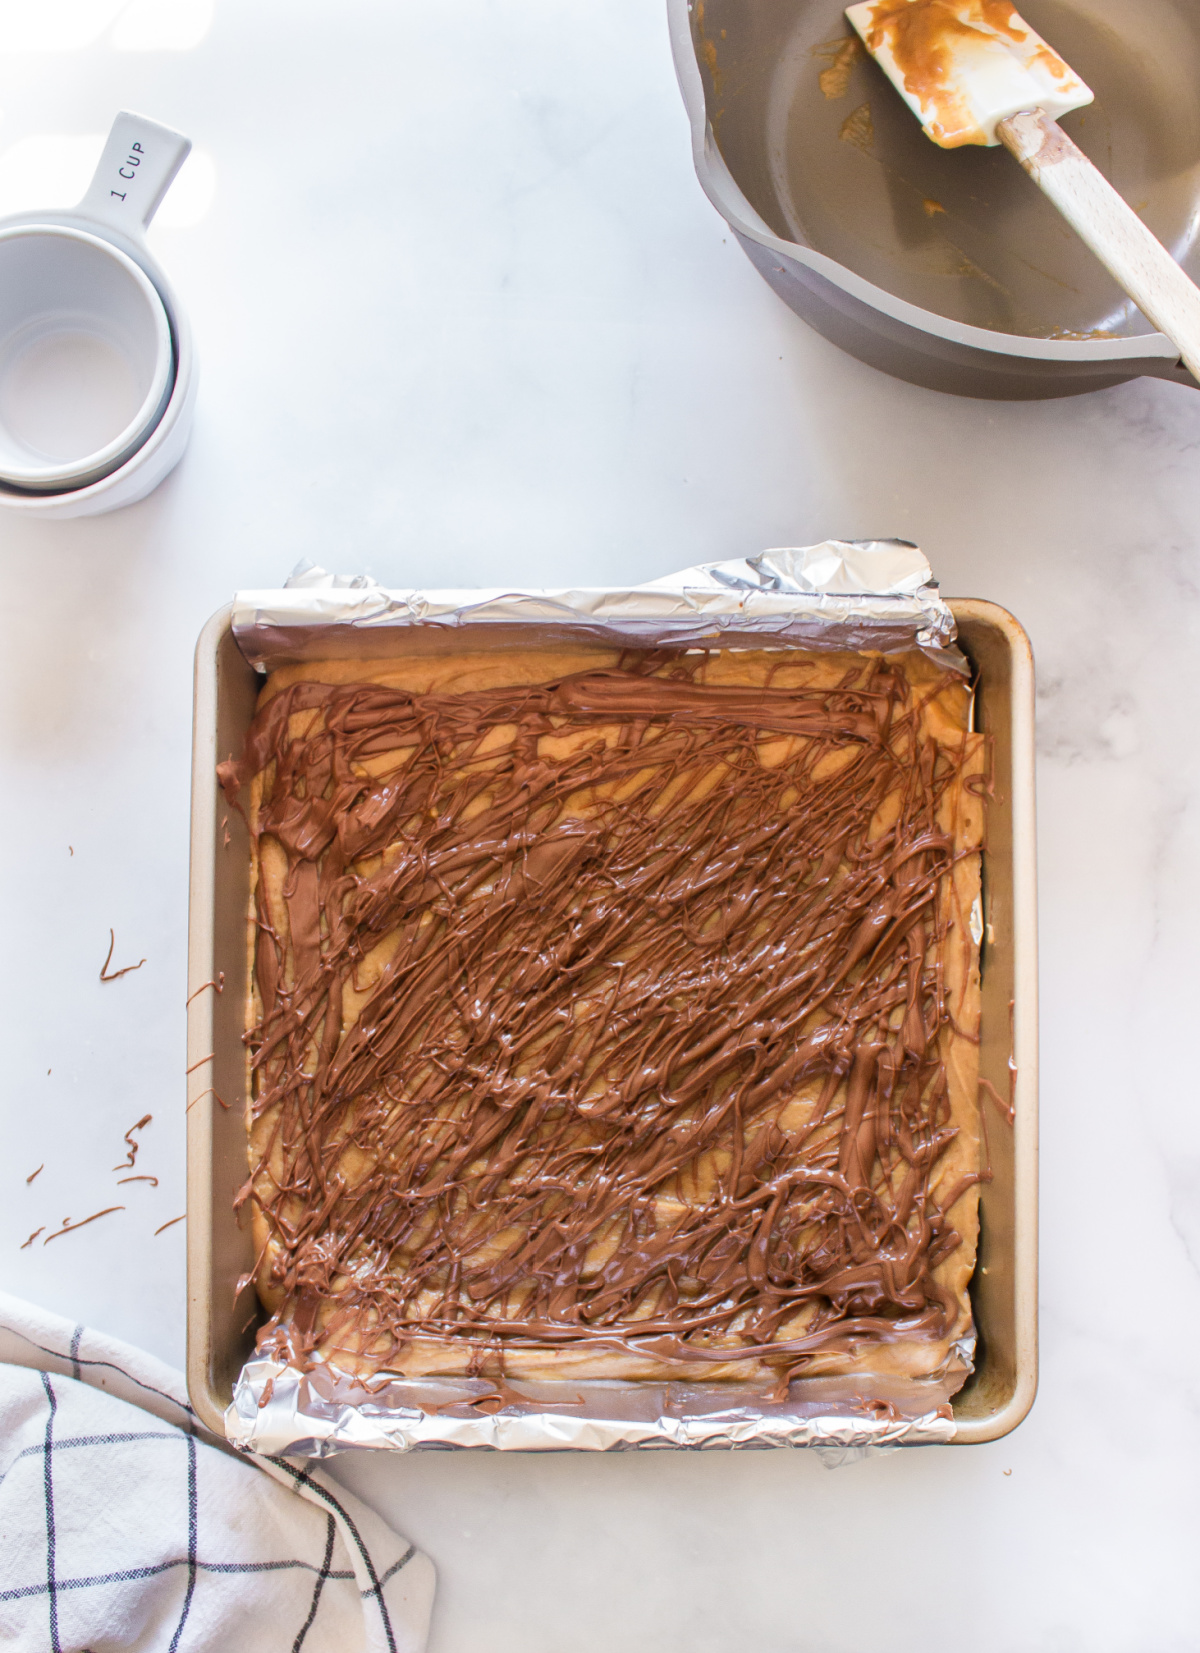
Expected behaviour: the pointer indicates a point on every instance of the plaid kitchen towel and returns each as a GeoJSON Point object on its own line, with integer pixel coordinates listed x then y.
{"type": "Point", "coordinates": [124, 1524]}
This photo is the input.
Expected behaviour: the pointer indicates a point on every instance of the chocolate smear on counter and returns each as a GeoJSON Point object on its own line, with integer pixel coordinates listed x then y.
{"type": "Point", "coordinates": [648, 1044]}
{"type": "Point", "coordinates": [128, 1163]}
{"type": "Point", "coordinates": [115, 975]}
{"type": "Point", "coordinates": [69, 1227]}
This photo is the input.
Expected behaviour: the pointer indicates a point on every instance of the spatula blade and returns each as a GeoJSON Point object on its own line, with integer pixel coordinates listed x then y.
{"type": "Point", "coordinates": [962, 66]}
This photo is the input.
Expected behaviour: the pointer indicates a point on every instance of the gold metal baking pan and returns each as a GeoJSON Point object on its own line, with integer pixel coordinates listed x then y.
{"type": "Point", "coordinates": [221, 1334]}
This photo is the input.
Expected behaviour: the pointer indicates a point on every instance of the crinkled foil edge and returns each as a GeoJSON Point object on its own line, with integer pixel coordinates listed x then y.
{"type": "Point", "coordinates": [277, 1409]}
{"type": "Point", "coordinates": [877, 595]}
{"type": "Point", "coordinates": [847, 594]}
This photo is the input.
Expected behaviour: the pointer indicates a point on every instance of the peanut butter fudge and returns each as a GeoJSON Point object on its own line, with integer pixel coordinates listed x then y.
{"type": "Point", "coordinates": [614, 1015]}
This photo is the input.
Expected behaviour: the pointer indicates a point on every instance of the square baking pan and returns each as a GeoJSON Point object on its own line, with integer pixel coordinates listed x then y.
{"type": "Point", "coordinates": [220, 1332]}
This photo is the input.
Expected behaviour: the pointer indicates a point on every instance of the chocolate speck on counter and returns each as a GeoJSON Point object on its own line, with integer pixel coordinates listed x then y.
{"type": "Point", "coordinates": [114, 975]}
{"type": "Point", "coordinates": [69, 1227]}
{"type": "Point", "coordinates": [128, 1164]}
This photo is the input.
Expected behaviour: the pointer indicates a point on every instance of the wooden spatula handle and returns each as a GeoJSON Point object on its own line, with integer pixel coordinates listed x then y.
{"type": "Point", "coordinates": [1104, 219]}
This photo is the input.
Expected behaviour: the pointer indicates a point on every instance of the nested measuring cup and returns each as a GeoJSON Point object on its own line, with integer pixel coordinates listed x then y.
{"type": "Point", "coordinates": [97, 376]}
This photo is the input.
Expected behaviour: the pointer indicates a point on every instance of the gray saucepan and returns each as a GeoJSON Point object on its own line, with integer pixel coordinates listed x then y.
{"type": "Point", "coordinates": [943, 267]}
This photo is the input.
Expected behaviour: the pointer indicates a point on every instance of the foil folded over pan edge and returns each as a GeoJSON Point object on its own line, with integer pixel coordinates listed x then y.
{"type": "Point", "coordinates": [851, 594]}
{"type": "Point", "coordinates": [275, 1411]}
{"type": "Point", "coordinates": [841, 594]}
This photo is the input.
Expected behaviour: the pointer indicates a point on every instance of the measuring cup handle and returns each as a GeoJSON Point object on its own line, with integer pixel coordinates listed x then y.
{"type": "Point", "coordinates": [139, 162]}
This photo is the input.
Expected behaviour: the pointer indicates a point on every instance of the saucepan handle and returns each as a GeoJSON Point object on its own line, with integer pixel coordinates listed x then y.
{"type": "Point", "coordinates": [1129, 251]}
{"type": "Point", "coordinates": [139, 162]}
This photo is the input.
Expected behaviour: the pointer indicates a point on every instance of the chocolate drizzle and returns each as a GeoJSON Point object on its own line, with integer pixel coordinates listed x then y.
{"type": "Point", "coordinates": [605, 1013]}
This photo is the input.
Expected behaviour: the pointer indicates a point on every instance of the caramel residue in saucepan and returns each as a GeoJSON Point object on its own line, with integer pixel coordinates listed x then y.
{"type": "Point", "coordinates": [708, 47]}
{"type": "Point", "coordinates": [927, 38]}
{"type": "Point", "coordinates": [608, 1012]}
{"type": "Point", "coordinates": [1090, 333]}
{"type": "Point", "coordinates": [834, 79]}
{"type": "Point", "coordinates": [859, 129]}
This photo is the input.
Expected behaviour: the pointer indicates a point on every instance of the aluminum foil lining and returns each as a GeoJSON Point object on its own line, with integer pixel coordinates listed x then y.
{"type": "Point", "coordinates": [846, 594]}
{"type": "Point", "coordinates": [276, 1409]}
{"type": "Point", "coordinates": [878, 595]}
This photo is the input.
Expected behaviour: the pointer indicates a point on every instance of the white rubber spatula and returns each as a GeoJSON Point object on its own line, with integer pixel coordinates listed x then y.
{"type": "Point", "coordinates": [974, 72]}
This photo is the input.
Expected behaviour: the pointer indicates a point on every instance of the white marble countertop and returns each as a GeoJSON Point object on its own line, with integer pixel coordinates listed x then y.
{"type": "Point", "coordinates": [464, 315]}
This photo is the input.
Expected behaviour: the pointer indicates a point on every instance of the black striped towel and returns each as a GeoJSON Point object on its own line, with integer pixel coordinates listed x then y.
{"type": "Point", "coordinates": [125, 1524]}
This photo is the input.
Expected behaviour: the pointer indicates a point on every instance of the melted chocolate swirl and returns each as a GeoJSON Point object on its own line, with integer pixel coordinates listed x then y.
{"type": "Point", "coordinates": [604, 1012]}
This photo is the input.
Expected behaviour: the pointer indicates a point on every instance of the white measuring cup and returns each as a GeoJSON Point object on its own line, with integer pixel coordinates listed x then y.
{"type": "Point", "coordinates": [97, 376]}
{"type": "Point", "coordinates": [86, 360]}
